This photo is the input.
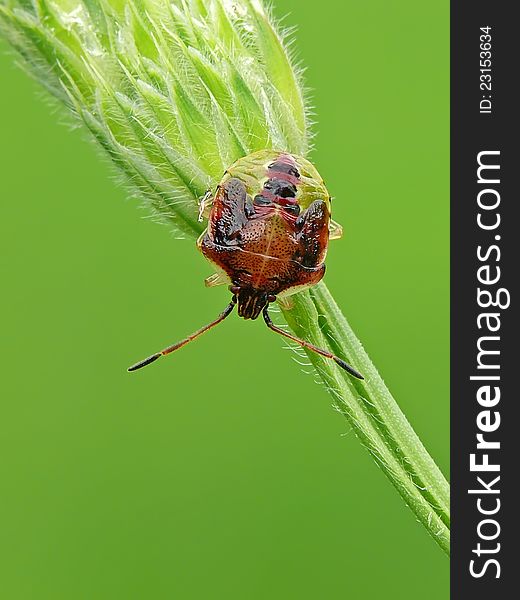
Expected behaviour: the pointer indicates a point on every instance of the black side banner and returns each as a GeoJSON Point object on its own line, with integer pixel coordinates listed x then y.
{"type": "Point", "coordinates": [485, 235]}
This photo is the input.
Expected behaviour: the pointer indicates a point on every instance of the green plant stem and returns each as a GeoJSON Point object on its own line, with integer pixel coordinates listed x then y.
{"type": "Point", "coordinates": [372, 411]}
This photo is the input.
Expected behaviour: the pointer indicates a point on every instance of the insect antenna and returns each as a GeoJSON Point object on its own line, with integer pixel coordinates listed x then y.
{"type": "Point", "coordinates": [310, 346]}
{"type": "Point", "coordinates": [225, 313]}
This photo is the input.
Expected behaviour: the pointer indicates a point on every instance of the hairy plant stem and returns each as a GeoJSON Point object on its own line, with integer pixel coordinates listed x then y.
{"type": "Point", "coordinates": [174, 91]}
{"type": "Point", "coordinates": [372, 411]}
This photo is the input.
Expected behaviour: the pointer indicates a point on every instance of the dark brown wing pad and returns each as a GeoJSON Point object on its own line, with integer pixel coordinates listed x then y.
{"type": "Point", "coordinates": [229, 215]}
{"type": "Point", "coordinates": [313, 234]}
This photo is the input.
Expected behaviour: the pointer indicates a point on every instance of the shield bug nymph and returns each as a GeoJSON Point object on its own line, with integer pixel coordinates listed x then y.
{"type": "Point", "coordinates": [268, 231]}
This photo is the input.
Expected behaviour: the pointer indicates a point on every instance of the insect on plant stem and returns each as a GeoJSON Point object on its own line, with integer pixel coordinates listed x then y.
{"type": "Point", "coordinates": [268, 233]}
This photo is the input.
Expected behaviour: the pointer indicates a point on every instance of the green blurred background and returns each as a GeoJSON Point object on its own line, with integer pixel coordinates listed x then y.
{"type": "Point", "coordinates": [223, 472]}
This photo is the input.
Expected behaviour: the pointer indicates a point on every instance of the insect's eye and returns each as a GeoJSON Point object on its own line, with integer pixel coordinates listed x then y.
{"type": "Point", "coordinates": [261, 200]}
{"type": "Point", "coordinates": [280, 188]}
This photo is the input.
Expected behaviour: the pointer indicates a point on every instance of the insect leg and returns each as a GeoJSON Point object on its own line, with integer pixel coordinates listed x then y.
{"type": "Point", "coordinates": [310, 346]}
{"type": "Point", "coordinates": [335, 230]}
{"type": "Point", "coordinates": [285, 302]}
{"type": "Point", "coordinates": [216, 279]}
{"type": "Point", "coordinates": [225, 313]}
{"type": "Point", "coordinates": [204, 205]}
